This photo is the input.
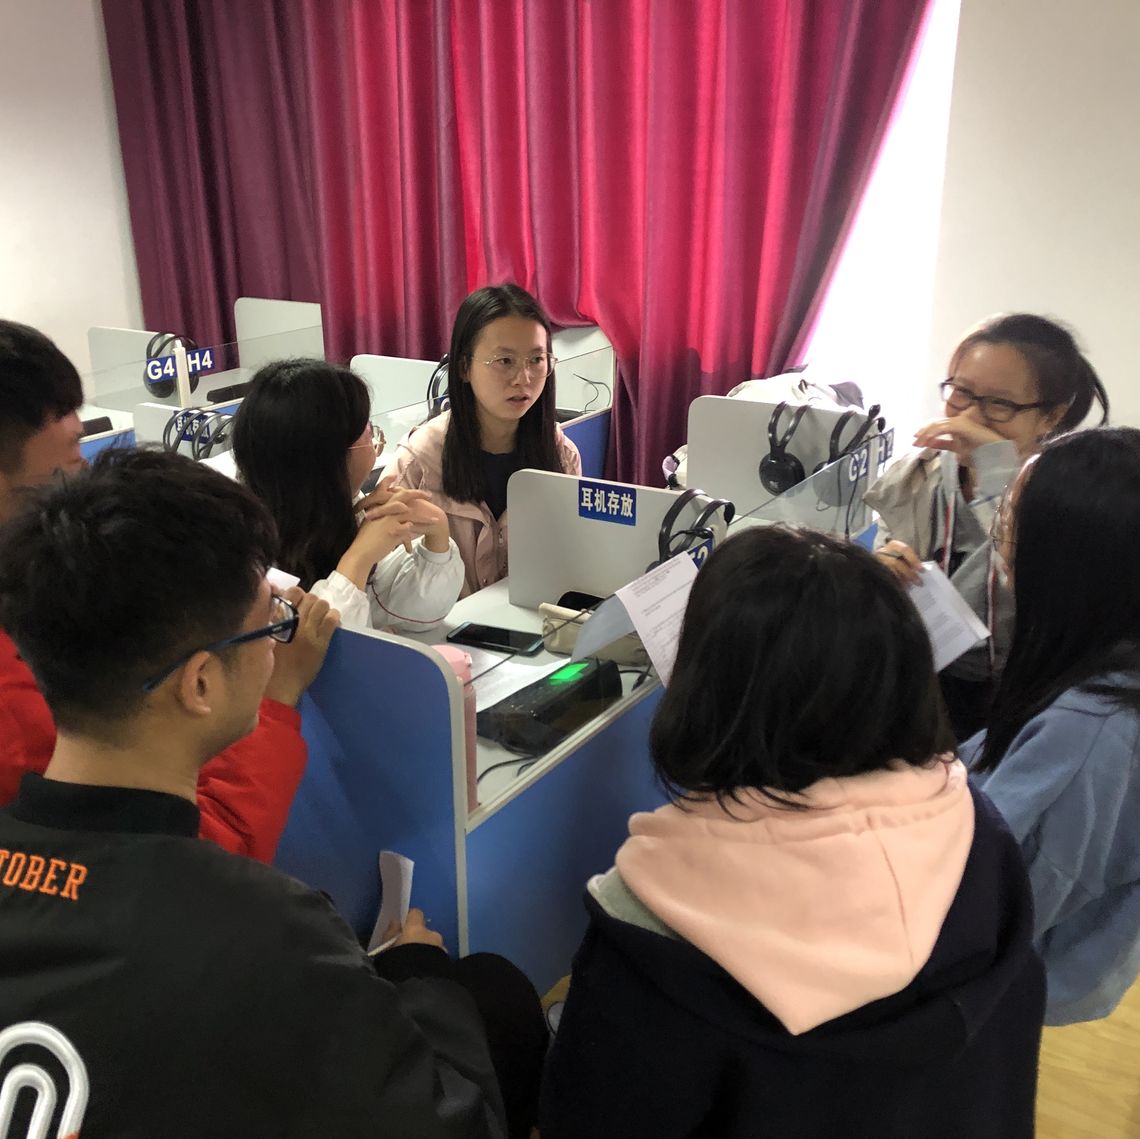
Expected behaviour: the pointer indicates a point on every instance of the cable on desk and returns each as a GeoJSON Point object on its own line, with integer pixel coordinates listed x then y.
{"type": "Point", "coordinates": [523, 763]}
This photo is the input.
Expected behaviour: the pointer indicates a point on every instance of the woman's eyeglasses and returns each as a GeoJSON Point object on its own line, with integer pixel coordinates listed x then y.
{"type": "Point", "coordinates": [376, 440]}
{"type": "Point", "coordinates": [994, 409]}
{"type": "Point", "coordinates": [537, 366]}
{"type": "Point", "coordinates": [282, 629]}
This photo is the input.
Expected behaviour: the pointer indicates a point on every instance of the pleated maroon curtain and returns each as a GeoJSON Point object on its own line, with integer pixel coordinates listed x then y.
{"type": "Point", "coordinates": [680, 172]}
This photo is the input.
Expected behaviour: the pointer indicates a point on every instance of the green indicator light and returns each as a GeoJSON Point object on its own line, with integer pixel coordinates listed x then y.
{"type": "Point", "coordinates": [568, 672]}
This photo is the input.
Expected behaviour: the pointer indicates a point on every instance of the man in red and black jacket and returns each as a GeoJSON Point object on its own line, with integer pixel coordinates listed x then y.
{"type": "Point", "coordinates": [245, 792]}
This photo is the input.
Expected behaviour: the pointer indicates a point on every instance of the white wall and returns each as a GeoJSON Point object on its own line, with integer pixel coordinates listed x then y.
{"type": "Point", "coordinates": [1041, 204]}
{"type": "Point", "coordinates": [66, 256]}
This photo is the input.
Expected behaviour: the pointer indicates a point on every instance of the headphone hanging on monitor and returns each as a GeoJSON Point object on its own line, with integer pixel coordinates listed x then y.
{"type": "Point", "coordinates": [437, 387]}
{"type": "Point", "coordinates": [210, 433]}
{"type": "Point", "coordinates": [836, 450]}
{"type": "Point", "coordinates": [181, 427]}
{"type": "Point", "coordinates": [157, 346]}
{"type": "Point", "coordinates": [840, 488]}
{"type": "Point", "coordinates": [700, 531]}
{"type": "Point", "coordinates": [780, 470]}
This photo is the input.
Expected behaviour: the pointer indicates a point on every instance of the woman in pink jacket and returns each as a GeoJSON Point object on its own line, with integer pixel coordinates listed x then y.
{"type": "Point", "coordinates": [501, 419]}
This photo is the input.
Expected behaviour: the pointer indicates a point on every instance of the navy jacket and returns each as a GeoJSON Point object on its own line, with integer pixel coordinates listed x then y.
{"type": "Point", "coordinates": [658, 1041]}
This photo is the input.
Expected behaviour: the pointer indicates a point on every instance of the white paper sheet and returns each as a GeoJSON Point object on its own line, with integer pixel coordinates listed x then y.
{"type": "Point", "coordinates": [656, 604]}
{"type": "Point", "coordinates": [396, 891]}
{"type": "Point", "coordinates": [608, 623]}
{"type": "Point", "coordinates": [280, 580]}
{"type": "Point", "coordinates": [953, 627]}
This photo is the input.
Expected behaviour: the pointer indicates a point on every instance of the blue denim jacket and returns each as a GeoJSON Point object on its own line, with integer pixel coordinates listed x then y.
{"type": "Point", "coordinates": [1069, 788]}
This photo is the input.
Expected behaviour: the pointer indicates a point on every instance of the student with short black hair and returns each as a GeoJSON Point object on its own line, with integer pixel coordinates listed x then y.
{"type": "Point", "coordinates": [1014, 380]}
{"type": "Point", "coordinates": [40, 397]}
{"type": "Point", "coordinates": [244, 793]}
{"type": "Point", "coordinates": [1061, 753]}
{"type": "Point", "coordinates": [197, 993]}
{"type": "Point", "coordinates": [501, 419]}
{"type": "Point", "coordinates": [826, 932]}
{"type": "Point", "coordinates": [304, 445]}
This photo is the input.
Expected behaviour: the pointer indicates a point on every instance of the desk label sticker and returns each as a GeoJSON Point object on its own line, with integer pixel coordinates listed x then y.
{"type": "Point", "coordinates": [197, 360]}
{"type": "Point", "coordinates": [886, 448]}
{"type": "Point", "coordinates": [607, 503]}
{"type": "Point", "coordinates": [700, 554]}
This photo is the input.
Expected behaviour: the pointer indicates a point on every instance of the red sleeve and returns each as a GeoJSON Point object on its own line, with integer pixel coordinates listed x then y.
{"type": "Point", "coordinates": [245, 792]}
{"type": "Point", "coordinates": [27, 731]}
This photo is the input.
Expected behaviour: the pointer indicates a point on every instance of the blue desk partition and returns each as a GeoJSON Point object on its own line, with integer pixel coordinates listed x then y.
{"type": "Point", "coordinates": [89, 448]}
{"type": "Point", "coordinates": [379, 777]}
{"type": "Point", "coordinates": [383, 722]}
{"type": "Point", "coordinates": [591, 435]}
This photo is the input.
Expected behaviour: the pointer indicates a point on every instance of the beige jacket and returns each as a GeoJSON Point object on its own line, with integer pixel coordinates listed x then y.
{"type": "Point", "coordinates": [482, 539]}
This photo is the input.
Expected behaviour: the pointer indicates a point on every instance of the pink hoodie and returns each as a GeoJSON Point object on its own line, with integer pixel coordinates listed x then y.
{"type": "Point", "coordinates": [816, 912]}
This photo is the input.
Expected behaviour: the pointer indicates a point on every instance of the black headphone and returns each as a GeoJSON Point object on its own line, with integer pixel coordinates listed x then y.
{"type": "Point", "coordinates": [700, 530]}
{"type": "Point", "coordinates": [780, 471]}
{"type": "Point", "coordinates": [181, 427]}
{"type": "Point", "coordinates": [156, 347]}
{"type": "Point", "coordinates": [213, 430]}
{"type": "Point", "coordinates": [842, 487]}
{"type": "Point", "coordinates": [437, 400]}
{"type": "Point", "coordinates": [836, 451]}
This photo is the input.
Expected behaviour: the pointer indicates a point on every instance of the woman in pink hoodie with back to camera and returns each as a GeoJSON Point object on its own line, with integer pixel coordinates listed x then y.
{"type": "Point", "coordinates": [827, 932]}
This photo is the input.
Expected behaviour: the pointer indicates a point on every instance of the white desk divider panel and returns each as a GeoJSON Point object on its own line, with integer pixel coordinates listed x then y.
{"type": "Point", "coordinates": [120, 432]}
{"type": "Point", "coordinates": [277, 329]}
{"type": "Point", "coordinates": [728, 438]}
{"type": "Point", "coordinates": [587, 368]}
{"type": "Point", "coordinates": [394, 381]}
{"type": "Point", "coordinates": [554, 548]}
{"type": "Point", "coordinates": [267, 330]}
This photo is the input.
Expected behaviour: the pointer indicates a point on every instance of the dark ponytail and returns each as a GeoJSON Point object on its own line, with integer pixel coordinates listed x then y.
{"type": "Point", "coordinates": [1064, 376]}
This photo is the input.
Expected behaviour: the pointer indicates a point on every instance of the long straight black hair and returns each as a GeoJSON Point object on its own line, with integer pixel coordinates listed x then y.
{"type": "Point", "coordinates": [536, 444]}
{"type": "Point", "coordinates": [292, 433]}
{"type": "Point", "coordinates": [1064, 376]}
{"type": "Point", "coordinates": [1076, 544]}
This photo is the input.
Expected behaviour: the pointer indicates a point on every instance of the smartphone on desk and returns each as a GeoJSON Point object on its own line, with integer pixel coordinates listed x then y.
{"type": "Point", "coordinates": [497, 638]}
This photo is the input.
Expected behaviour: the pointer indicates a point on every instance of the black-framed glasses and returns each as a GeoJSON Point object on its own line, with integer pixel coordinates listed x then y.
{"type": "Point", "coordinates": [538, 365]}
{"type": "Point", "coordinates": [282, 629]}
{"type": "Point", "coordinates": [994, 409]}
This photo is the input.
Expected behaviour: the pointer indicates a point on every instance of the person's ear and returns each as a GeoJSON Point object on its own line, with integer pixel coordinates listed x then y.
{"type": "Point", "coordinates": [198, 682]}
{"type": "Point", "coordinates": [1049, 418]}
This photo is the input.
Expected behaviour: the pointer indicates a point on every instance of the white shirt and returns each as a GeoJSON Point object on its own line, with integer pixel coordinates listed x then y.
{"type": "Point", "coordinates": [405, 592]}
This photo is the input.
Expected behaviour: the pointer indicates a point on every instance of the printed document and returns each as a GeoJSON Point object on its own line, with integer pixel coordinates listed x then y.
{"type": "Point", "coordinates": [953, 627]}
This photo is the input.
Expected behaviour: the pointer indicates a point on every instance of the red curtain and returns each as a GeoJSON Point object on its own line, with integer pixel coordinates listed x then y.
{"type": "Point", "coordinates": [680, 172]}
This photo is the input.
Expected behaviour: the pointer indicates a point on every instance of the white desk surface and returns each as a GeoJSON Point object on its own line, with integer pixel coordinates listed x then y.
{"type": "Point", "coordinates": [491, 606]}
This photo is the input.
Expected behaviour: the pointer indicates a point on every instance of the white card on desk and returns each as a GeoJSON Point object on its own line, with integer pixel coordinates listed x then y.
{"type": "Point", "coordinates": [952, 626]}
{"type": "Point", "coordinates": [396, 896]}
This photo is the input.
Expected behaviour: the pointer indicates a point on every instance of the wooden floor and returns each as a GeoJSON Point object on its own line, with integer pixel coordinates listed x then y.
{"type": "Point", "coordinates": [1090, 1077]}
